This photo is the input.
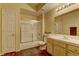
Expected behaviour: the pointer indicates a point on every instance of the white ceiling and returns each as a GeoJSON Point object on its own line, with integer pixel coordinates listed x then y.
{"type": "Point", "coordinates": [47, 7]}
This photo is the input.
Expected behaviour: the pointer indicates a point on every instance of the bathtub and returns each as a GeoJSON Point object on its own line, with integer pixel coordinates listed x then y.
{"type": "Point", "coordinates": [31, 44]}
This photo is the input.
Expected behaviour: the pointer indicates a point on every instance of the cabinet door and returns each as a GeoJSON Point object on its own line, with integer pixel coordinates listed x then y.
{"type": "Point", "coordinates": [8, 30]}
{"type": "Point", "coordinates": [50, 46]}
{"type": "Point", "coordinates": [59, 51]}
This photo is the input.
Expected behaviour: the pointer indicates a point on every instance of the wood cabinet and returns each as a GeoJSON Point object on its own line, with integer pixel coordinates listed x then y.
{"type": "Point", "coordinates": [59, 51]}
{"type": "Point", "coordinates": [73, 48]}
{"type": "Point", "coordinates": [71, 53]}
{"type": "Point", "coordinates": [50, 46]}
{"type": "Point", "coordinates": [59, 43]}
{"type": "Point", "coordinates": [61, 48]}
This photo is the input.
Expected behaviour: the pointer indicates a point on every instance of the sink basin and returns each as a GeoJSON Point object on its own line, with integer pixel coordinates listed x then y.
{"type": "Point", "coordinates": [64, 37]}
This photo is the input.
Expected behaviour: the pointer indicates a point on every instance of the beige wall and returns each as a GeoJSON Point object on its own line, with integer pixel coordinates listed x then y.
{"type": "Point", "coordinates": [58, 25]}
{"type": "Point", "coordinates": [49, 21]}
{"type": "Point", "coordinates": [26, 17]}
{"type": "Point", "coordinates": [69, 20]}
{"type": "Point", "coordinates": [39, 18]}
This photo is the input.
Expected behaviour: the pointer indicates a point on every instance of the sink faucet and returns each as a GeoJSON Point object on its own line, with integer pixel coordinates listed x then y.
{"type": "Point", "coordinates": [65, 37]}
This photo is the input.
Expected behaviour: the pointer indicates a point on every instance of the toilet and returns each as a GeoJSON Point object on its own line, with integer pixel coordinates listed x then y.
{"type": "Point", "coordinates": [42, 44]}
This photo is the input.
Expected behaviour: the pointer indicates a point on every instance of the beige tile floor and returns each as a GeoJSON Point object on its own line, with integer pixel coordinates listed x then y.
{"type": "Point", "coordinates": [29, 52]}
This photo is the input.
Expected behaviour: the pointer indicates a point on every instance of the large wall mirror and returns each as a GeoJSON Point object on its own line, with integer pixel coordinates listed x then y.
{"type": "Point", "coordinates": [68, 23]}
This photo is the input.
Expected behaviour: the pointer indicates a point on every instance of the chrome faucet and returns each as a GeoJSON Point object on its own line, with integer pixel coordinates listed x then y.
{"type": "Point", "coordinates": [65, 37]}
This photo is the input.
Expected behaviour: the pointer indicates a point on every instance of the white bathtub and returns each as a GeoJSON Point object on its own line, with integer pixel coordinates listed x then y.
{"type": "Point", "coordinates": [30, 44]}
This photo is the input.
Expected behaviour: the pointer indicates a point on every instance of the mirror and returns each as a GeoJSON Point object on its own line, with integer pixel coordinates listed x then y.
{"type": "Point", "coordinates": [68, 23]}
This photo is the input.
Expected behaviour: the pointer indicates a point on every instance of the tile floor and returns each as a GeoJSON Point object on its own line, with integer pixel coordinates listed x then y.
{"type": "Point", "coordinates": [28, 52]}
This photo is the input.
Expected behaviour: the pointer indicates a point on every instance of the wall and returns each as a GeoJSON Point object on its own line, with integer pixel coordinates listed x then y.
{"type": "Point", "coordinates": [50, 21]}
{"type": "Point", "coordinates": [26, 17]}
{"type": "Point", "coordinates": [69, 20]}
{"type": "Point", "coordinates": [39, 17]}
{"type": "Point", "coordinates": [58, 26]}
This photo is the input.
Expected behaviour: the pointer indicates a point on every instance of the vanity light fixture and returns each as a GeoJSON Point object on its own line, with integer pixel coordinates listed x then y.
{"type": "Point", "coordinates": [58, 9]}
{"type": "Point", "coordinates": [68, 4]}
{"type": "Point", "coordinates": [64, 6]}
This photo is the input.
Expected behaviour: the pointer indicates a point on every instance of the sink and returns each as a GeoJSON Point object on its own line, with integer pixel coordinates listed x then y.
{"type": "Point", "coordinates": [65, 37]}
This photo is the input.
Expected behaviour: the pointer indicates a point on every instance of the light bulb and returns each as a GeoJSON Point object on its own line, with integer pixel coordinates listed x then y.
{"type": "Point", "coordinates": [68, 4]}
{"type": "Point", "coordinates": [57, 9]}
{"type": "Point", "coordinates": [63, 6]}
{"type": "Point", "coordinates": [60, 8]}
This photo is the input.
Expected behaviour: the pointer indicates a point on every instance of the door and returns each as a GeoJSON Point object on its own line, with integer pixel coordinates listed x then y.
{"type": "Point", "coordinates": [8, 30]}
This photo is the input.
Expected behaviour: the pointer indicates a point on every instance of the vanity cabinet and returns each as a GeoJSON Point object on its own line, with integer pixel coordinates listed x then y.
{"type": "Point", "coordinates": [55, 48]}
{"type": "Point", "coordinates": [61, 48]}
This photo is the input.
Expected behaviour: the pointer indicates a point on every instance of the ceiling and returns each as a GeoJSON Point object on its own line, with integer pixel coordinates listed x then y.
{"type": "Point", "coordinates": [36, 6]}
{"type": "Point", "coordinates": [49, 6]}
{"type": "Point", "coordinates": [44, 6]}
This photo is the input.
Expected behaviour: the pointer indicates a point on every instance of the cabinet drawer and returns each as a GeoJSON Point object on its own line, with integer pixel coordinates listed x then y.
{"type": "Point", "coordinates": [59, 43]}
{"type": "Point", "coordinates": [73, 48]}
{"type": "Point", "coordinates": [70, 53]}
{"type": "Point", "coordinates": [49, 40]}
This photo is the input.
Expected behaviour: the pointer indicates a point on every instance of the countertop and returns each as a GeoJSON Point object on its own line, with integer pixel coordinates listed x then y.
{"type": "Point", "coordinates": [74, 40]}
